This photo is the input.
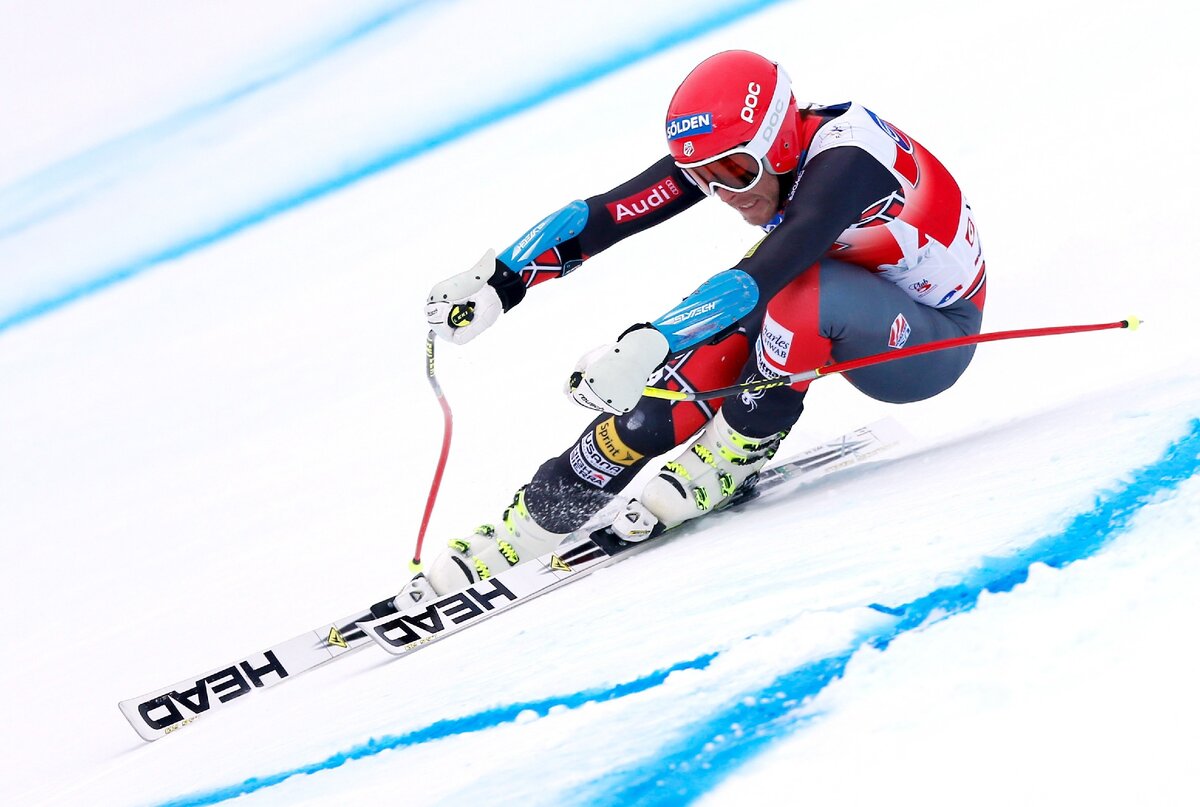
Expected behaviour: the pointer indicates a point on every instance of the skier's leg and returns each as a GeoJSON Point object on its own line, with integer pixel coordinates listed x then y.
{"type": "Point", "coordinates": [833, 311]}
{"type": "Point", "coordinates": [863, 314]}
{"type": "Point", "coordinates": [563, 494]}
{"type": "Point", "coordinates": [569, 489]}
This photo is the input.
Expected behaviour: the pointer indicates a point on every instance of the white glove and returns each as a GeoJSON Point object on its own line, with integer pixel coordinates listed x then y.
{"type": "Point", "coordinates": [464, 306]}
{"type": "Point", "coordinates": [611, 378]}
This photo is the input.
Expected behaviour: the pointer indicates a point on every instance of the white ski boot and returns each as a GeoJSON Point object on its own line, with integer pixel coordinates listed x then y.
{"type": "Point", "coordinates": [708, 475]}
{"type": "Point", "coordinates": [489, 551]}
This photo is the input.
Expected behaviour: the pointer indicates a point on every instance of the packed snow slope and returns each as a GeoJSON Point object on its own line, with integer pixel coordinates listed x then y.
{"type": "Point", "coordinates": [217, 225]}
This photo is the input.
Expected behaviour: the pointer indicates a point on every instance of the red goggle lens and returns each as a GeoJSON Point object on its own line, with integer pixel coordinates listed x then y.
{"type": "Point", "coordinates": [736, 172]}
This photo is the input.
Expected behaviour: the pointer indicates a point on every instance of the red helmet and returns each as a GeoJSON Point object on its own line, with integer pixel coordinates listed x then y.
{"type": "Point", "coordinates": [735, 100]}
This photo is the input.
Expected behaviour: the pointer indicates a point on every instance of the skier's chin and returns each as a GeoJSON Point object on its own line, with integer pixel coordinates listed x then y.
{"type": "Point", "coordinates": [758, 214]}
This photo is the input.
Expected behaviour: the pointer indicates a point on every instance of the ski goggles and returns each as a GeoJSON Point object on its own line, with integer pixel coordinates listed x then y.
{"type": "Point", "coordinates": [736, 170]}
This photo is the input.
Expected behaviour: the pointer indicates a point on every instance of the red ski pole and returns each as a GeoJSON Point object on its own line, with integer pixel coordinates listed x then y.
{"type": "Point", "coordinates": [879, 358]}
{"type": "Point", "coordinates": [448, 429]}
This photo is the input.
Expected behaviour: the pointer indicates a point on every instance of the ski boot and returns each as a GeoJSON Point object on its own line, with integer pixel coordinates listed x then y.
{"type": "Point", "coordinates": [717, 470]}
{"type": "Point", "coordinates": [486, 552]}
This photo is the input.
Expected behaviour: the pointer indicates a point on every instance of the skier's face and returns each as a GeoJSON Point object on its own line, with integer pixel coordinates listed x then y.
{"type": "Point", "coordinates": [757, 205]}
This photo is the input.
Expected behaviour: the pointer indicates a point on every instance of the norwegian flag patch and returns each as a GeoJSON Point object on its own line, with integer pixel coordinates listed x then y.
{"type": "Point", "coordinates": [901, 330]}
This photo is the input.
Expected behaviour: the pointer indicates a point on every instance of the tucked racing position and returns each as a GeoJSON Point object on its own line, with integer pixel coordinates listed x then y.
{"type": "Point", "coordinates": [869, 245]}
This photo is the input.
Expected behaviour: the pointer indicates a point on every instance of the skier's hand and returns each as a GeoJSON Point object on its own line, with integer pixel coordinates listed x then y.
{"type": "Point", "coordinates": [464, 306]}
{"type": "Point", "coordinates": [611, 378]}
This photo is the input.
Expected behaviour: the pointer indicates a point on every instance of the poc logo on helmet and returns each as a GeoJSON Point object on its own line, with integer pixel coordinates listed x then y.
{"type": "Point", "coordinates": [753, 90]}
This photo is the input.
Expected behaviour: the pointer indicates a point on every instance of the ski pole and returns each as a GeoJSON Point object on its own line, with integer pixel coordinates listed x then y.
{"type": "Point", "coordinates": [879, 358]}
{"type": "Point", "coordinates": [447, 430]}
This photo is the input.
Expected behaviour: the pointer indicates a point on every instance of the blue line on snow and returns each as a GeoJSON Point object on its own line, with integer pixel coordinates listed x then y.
{"type": "Point", "coordinates": [451, 131]}
{"type": "Point", "coordinates": [285, 67]}
{"type": "Point", "coordinates": [711, 750]}
{"type": "Point", "coordinates": [480, 721]}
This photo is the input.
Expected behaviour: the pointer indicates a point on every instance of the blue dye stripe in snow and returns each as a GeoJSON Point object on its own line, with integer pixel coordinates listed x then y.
{"type": "Point", "coordinates": [16, 217]}
{"type": "Point", "coordinates": [480, 721]}
{"type": "Point", "coordinates": [711, 750]}
{"type": "Point", "coordinates": [653, 44]}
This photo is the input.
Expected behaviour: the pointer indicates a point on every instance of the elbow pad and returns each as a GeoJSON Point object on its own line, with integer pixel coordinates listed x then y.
{"type": "Point", "coordinates": [560, 226]}
{"type": "Point", "coordinates": [720, 302]}
{"type": "Point", "coordinates": [551, 231]}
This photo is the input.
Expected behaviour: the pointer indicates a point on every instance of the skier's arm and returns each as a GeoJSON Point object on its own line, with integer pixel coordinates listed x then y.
{"type": "Point", "coordinates": [566, 238]}
{"type": "Point", "coordinates": [835, 189]}
{"type": "Point", "coordinates": [653, 196]}
{"type": "Point", "coordinates": [837, 186]}
{"type": "Point", "coordinates": [462, 307]}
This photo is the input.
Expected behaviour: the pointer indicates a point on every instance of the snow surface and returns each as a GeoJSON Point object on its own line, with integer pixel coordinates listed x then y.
{"type": "Point", "coordinates": [217, 223]}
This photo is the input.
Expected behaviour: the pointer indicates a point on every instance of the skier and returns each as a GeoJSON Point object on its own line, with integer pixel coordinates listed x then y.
{"type": "Point", "coordinates": [869, 245]}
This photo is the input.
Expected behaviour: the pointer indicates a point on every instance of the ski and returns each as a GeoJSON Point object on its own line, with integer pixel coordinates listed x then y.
{"type": "Point", "coordinates": [417, 627]}
{"type": "Point", "coordinates": [166, 710]}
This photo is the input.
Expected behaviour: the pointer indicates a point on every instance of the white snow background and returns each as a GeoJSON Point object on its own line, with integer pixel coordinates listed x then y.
{"type": "Point", "coordinates": [218, 221]}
